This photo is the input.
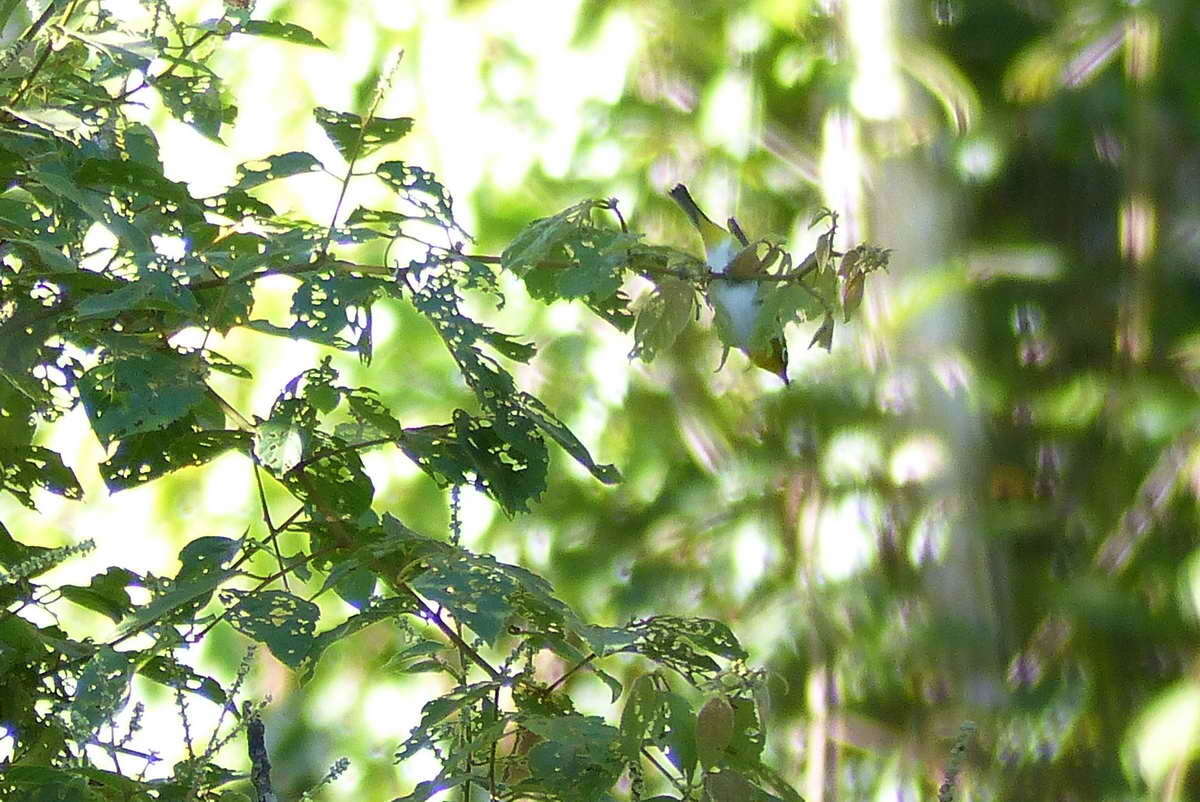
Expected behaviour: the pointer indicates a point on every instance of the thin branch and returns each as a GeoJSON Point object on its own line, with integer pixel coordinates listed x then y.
{"type": "Point", "coordinates": [449, 632]}
{"type": "Point", "coordinates": [679, 786]}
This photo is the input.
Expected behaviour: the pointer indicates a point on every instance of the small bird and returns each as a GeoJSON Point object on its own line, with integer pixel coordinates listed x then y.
{"type": "Point", "coordinates": [739, 301]}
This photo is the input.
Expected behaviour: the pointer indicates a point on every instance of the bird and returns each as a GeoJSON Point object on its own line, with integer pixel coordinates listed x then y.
{"type": "Point", "coordinates": [739, 301]}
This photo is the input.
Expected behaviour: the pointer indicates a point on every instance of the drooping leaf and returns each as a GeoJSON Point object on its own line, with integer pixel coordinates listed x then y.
{"type": "Point", "coordinates": [285, 623]}
{"type": "Point", "coordinates": [23, 468]}
{"type": "Point", "coordinates": [662, 317]}
{"type": "Point", "coordinates": [558, 431]}
{"type": "Point", "coordinates": [102, 690]}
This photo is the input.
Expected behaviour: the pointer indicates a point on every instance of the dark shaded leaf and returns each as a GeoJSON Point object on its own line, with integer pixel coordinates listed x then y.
{"type": "Point", "coordinates": [23, 468]}
{"type": "Point", "coordinates": [105, 593]}
{"type": "Point", "coordinates": [194, 100]}
{"type": "Point", "coordinates": [102, 690]}
{"type": "Point", "coordinates": [143, 457]}
{"type": "Point", "coordinates": [285, 623]}
{"type": "Point", "coordinates": [170, 672]}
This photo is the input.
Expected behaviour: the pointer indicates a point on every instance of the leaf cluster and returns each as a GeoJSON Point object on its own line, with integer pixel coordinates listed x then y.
{"type": "Point", "coordinates": [105, 262]}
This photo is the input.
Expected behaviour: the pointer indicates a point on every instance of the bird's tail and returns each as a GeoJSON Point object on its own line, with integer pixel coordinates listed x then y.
{"type": "Point", "coordinates": [681, 196]}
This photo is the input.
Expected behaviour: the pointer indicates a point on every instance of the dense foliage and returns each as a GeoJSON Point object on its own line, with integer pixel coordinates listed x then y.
{"type": "Point", "coordinates": [113, 281]}
{"type": "Point", "coordinates": [960, 547]}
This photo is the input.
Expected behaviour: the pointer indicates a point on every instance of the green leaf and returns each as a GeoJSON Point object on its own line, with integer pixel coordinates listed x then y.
{"type": "Point", "coordinates": [573, 257]}
{"type": "Point", "coordinates": [679, 740]}
{"type": "Point", "coordinates": [140, 393]}
{"type": "Point", "coordinates": [551, 425]}
{"type": "Point", "coordinates": [578, 760]}
{"type": "Point", "coordinates": [684, 644]}
{"type": "Point", "coordinates": [285, 623]}
{"type": "Point", "coordinates": [145, 457]}
{"type": "Point", "coordinates": [507, 345]}
{"type": "Point", "coordinates": [194, 100]}
{"type": "Point", "coordinates": [144, 183]}
{"type": "Point", "coordinates": [101, 691]}
{"type": "Point", "coordinates": [170, 672]}
{"type": "Point", "coordinates": [259, 171]}
{"type": "Point", "coordinates": [645, 710]}
{"type": "Point", "coordinates": [379, 610]}
{"type": "Point", "coordinates": [421, 190]}
{"type": "Point", "coordinates": [131, 236]}
{"type": "Point", "coordinates": [23, 468]}
{"type": "Point", "coordinates": [662, 317]}
{"type": "Point", "coordinates": [355, 586]}
{"type": "Point", "coordinates": [352, 140]}
{"type": "Point", "coordinates": [439, 709]}
{"type": "Point", "coordinates": [50, 257]}
{"type": "Point", "coordinates": [286, 31]}
{"type": "Point", "coordinates": [510, 469]}
{"type": "Point", "coordinates": [105, 593]}
{"type": "Point", "coordinates": [475, 589]}
{"type": "Point", "coordinates": [152, 289]}
{"type": "Point", "coordinates": [202, 571]}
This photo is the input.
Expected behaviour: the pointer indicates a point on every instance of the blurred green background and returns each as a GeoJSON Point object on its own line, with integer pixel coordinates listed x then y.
{"type": "Point", "coordinates": [980, 507]}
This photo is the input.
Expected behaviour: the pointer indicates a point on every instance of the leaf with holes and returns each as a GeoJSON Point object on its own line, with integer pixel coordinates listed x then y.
{"type": "Point", "coordinates": [139, 393]}
{"type": "Point", "coordinates": [475, 589]}
{"type": "Point", "coordinates": [558, 431]}
{"type": "Point", "coordinates": [421, 190]}
{"type": "Point", "coordinates": [152, 289]}
{"type": "Point", "coordinates": [194, 100]}
{"type": "Point", "coordinates": [380, 610]}
{"type": "Point", "coordinates": [23, 468]}
{"type": "Point", "coordinates": [285, 623]}
{"type": "Point", "coordinates": [352, 139]}
{"type": "Point", "coordinates": [286, 31]}
{"type": "Point", "coordinates": [143, 457]}
{"type": "Point", "coordinates": [578, 759]}
{"type": "Point", "coordinates": [102, 690]}
{"type": "Point", "coordinates": [259, 171]}
{"type": "Point", "coordinates": [513, 473]}
{"type": "Point", "coordinates": [685, 644]}
{"type": "Point", "coordinates": [202, 571]}
{"type": "Point", "coordinates": [174, 674]}
{"type": "Point", "coordinates": [334, 480]}
{"type": "Point", "coordinates": [425, 734]}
